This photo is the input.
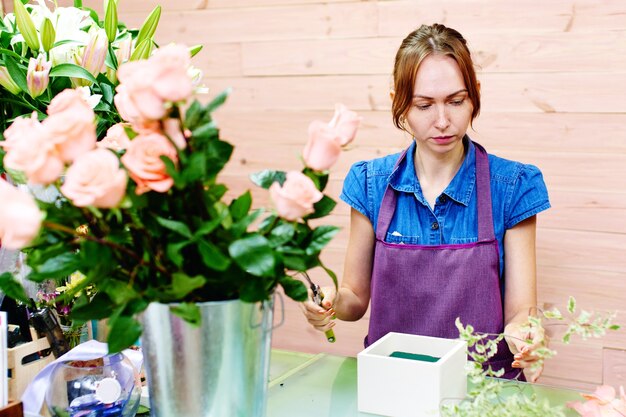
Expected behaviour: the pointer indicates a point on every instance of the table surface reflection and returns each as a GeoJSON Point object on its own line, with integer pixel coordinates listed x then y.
{"type": "Point", "coordinates": [308, 385]}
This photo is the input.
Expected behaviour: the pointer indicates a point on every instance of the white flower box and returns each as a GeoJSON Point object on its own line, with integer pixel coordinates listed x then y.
{"type": "Point", "coordinates": [399, 387]}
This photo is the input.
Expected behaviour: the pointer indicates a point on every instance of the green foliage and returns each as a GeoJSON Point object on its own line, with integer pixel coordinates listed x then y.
{"type": "Point", "coordinates": [501, 398]}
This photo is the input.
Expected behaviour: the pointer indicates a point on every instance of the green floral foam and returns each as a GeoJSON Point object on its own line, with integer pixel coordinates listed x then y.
{"type": "Point", "coordinates": [413, 356]}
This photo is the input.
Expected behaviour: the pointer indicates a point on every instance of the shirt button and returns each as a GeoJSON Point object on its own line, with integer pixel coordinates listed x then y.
{"type": "Point", "coordinates": [442, 199]}
{"type": "Point", "coordinates": [434, 226]}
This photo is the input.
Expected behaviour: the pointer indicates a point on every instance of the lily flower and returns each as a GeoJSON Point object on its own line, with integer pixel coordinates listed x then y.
{"type": "Point", "coordinates": [38, 75]}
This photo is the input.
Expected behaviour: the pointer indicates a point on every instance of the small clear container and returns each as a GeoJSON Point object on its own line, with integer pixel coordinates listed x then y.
{"type": "Point", "coordinates": [108, 386]}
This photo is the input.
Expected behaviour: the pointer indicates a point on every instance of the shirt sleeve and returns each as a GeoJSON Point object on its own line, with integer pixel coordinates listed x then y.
{"type": "Point", "coordinates": [355, 189]}
{"type": "Point", "coordinates": [528, 196]}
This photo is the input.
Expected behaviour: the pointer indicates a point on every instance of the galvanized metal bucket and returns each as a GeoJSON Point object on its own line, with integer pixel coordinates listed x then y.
{"type": "Point", "coordinates": [216, 370]}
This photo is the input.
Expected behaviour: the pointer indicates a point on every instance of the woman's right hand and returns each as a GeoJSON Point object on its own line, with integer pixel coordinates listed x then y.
{"type": "Point", "coordinates": [320, 317]}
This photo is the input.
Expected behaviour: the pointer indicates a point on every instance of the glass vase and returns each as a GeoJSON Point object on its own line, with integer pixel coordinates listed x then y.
{"type": "Point", "coordinates": [108, 386]}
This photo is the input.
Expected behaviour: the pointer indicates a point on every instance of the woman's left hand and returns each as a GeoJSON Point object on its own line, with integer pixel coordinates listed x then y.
{"type": "Point", "coordinates": [516, 335]}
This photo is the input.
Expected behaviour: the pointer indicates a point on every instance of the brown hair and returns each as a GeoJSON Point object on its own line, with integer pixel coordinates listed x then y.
{"type": "Point", "coordinates": [434, 39]}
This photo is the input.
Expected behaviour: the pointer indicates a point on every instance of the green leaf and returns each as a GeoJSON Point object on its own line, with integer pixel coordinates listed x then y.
{"type": "Point", "coordinates": [282, 234]}
{"type": "Point", "coordinates": [332, 275]}
{"type": "Point", "coordinates": [16, 73]}
{"type": "Point", "coordinates": [58, 266]}
{"type": "Point", "coordinates": [17, 56]}
{"type": "Point", "coordinates": [218, 100]}
{"type": "Point", "coordinates": [267, 223]}
{"type": "Point", "coordinates": [295, 263]}
{"type": "Point", "coordinates": [320, 179]}
{"type": "Point", "coordinates": [183, 284]}
{"type": "Point", "coordinates": [149, 26]}
{"type": "Point", "coordinates": [253, 289]}
{"type": "Point", "coordinates": [294, 288]}
{"type": "Point", "coordinates": [193, 50]}
{"type": "Point", "coordinates": [125, 331]}
{"type": "Point", "coordinates": [72, 70]}
{"type": "Point", "coordinates": [12, 288]}
{"type": "Point", "coordinates": [267, 177]}
{"type": "Point", "coordinates": [119, 292]}
{"type": "Point", "coordinates": [188, 312]}
{"type": "Point", "coordinates": [322, 208]}
{"type": "Point", "coordinates": [254, 255]}
{"type": "Point", "coordinates": [196, 167]}
{"type": "Point", "coordinates": [614, 327]}
{"type": "Point", "coordinates": [209, 226]}
{"type": "Point", "coordinates": [193, 115]}
{"type": "Point", "coordinates": [175, 226]}
{"type": "Point", "coordinates": [100, 307]}
{"type": "Point", "coordinates": [571, 305]}
{"type": "Point", "coordinates": [239, 227]}
{"type": "Point", "coordinates": [212, 256]}
{"type": "Point", "coordinates": [320, 238]}
{"type": "Point", "coordinates": [240, 206]}
{"type": "Point", "coordinates": [173, 252]}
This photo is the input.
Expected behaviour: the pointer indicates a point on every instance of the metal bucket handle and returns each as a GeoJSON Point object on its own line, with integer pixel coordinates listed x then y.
{"type": "Point", "coordinates": [254, 325]}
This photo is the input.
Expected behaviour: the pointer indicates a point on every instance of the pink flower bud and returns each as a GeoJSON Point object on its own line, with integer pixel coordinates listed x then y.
{"type": "Point", "coordinates": [296, 197]}
{"type": "Point", "coordinates": [20, 218]}
{"type": "Point", "coordinates": [95, 52]}
{"type": "Point", "coordinates": [38, 75]}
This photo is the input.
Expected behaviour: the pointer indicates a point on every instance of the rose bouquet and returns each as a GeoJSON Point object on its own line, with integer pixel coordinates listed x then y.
{"type": "Point", "coordinates": [141, 213]}
{"type": "Point", "coordinates": [46, 49]}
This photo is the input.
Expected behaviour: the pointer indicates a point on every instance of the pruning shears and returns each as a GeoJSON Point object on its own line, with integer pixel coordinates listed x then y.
{"type": "Point", "coordinates": [317, 299]}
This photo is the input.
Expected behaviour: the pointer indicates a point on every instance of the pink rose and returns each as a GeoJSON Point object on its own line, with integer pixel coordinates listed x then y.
{"type": "Point", "coordinates": [71, 124]}
{"type": "Point", "coordinates": [143, 161]}
{"type": "Point", "coordinates": [602, 403]}
{"type": "Point", "coordinates": [326, 139]}
{"type": "Point", "coordinates": [116, 138]}
{"type": "Point", "coordinates": [136, 99]}
{"type": "Point", "coordinates": [31, 150]}
{"type": "Point", "coordinates": [145, 86]}
{"type": "Point", "coordinates": [296, 197]}
{"type": "Point", "coordinates": [95, 179]}
{"type": "Point", "coordinates": [321, 150]}
{"type": "Point", "coordinates": [20, 218]}
{"type": "Point", "coordinates": [171, 127]}
{"type": "Point", "coordinates": [68, 100]}
{"type": "Point", "coordinates": [173, 83]}
{"type": "Point", "coordinates": [345, 124]}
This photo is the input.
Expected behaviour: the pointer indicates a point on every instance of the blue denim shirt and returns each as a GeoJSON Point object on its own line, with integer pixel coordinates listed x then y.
{"type": "Point", "coordinates": [517, 193]}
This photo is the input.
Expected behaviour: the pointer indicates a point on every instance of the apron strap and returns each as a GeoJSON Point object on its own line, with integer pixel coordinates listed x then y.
{"type": "Point", "coordinates": [483, 189]}
{"type": "Point", "coordinates": [388, 205]}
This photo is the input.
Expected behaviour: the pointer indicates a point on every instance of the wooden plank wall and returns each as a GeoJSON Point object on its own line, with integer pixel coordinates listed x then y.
{"type": "Point", "coordinates": [553, 79]}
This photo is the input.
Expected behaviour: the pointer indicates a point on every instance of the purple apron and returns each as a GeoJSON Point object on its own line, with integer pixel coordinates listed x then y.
{"type": "Point", "coordinates": [422, 289]}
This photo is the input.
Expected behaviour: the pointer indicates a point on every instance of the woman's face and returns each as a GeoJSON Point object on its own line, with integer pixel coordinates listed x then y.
{"type": "Point", "coordinates": [441, 110]}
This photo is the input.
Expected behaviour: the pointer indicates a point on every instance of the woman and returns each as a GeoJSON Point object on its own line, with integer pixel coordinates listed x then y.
{"type": "Point", "coordinates": [442, 230]}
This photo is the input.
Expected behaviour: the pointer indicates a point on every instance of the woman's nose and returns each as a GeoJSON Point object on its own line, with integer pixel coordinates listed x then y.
{"type": "Point", "coordinates": [443, 121]}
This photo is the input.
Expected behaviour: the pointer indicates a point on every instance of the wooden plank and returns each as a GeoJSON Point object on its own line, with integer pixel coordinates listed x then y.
{"type": "Point", "coordinates": [585, 250]}
{"type": "Point", "coordinates": [586, 211]}
{"type": "Point", "coordinates": [575, 362]}
{"type": "Point", "coordinates": [508, 93]}
{"type": "Point", "coordinates": [144, 6]}
{"type": "Point", "coordinates": [218, 4]}
{"type": "Point", "coordinates": [261, 24]}
{"type": "Point", "coordinates": [533, 52]}
{"type": "Point", "coordinates": [614, 367]}
{"type": "Point", "coordinates": [398, 18]}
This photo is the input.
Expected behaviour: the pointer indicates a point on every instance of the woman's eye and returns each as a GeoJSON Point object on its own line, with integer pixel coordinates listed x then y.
{"type": "Point", "coordinates": [457, 102]}
{"type": "Point", "coordinates": [422, 106]}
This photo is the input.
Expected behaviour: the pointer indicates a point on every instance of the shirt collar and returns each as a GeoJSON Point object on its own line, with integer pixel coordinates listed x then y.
{"type": "Point", "coordinates": [403, 177]}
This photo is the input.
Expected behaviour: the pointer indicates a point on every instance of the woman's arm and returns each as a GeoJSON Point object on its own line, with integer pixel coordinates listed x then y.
{"type": "Point", "coordinates": [352, 300]}
{"type": "Point", "coordinates": [520, 293]}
